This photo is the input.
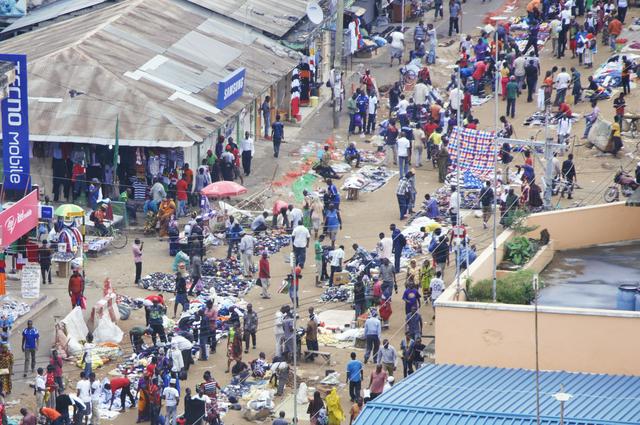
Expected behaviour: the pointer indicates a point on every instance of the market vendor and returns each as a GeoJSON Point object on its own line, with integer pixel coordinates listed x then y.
{"type": "Point", "coordinates": [148, 302]}
{"type": "Point", "coordinates": [98, 217]}
{"type": "Point", "coordinates": [239, 372]}
{"type": "Point", "coordinates": [323, 168]}
{"type": "Point", "coordinates": [259, 366]}
{"type": "Point", "coordinates": [123, 384]}
{"type": "Point", "coordinates": [135, 335]}
{"type": "Point", "coordinates": [280, 209]}
{"type": "Point", "coordinates": [259, 224]}
{"type": "Point", "coordinates": [166, 211]}
{"type": "Point", "coordinates": [351, 154]}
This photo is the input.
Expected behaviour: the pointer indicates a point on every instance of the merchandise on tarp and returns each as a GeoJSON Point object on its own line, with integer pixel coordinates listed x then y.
{"type": "Point", "coordinates": [11, 310]}
{"type": "Point", "coordinates": [302, 183]}
{"type": "Point", "coordinates": [369, 178]}
{"type": "Point", "coordinates": [476, 147]}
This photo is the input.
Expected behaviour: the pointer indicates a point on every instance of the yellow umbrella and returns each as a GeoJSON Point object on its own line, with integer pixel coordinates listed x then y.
{"type": "Point", "coordinates": [69, 210]}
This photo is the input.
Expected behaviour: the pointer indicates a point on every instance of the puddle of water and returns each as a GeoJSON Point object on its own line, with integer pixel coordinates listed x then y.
{"type": "Point", "coordinates": [590, 277]}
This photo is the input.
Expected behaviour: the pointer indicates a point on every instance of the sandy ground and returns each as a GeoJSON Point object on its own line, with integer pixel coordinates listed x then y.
{"type": "Point", "coordinates": [363, 219]}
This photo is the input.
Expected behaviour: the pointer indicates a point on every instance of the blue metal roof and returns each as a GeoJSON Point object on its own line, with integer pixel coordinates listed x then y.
{"type": "Point", "coordinates": [461, 395]}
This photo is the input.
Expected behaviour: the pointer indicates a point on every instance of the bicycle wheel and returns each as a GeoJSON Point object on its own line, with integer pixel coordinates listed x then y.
{"type": "Point", "coordinates": [633, 129]}
{"type": "Point", "coordinates": [119, 240]}
{"type": "Point", "coordinates": [611, 194]}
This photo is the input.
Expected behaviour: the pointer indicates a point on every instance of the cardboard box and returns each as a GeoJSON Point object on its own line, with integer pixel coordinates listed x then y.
{"type": "Point", "coordinates": [341, 278]}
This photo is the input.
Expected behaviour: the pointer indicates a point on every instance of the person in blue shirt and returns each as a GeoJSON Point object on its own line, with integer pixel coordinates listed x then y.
{"type": "Point", "coordinates": [277, 135]}
{"type": "Point", "coordinates": [351, 154]}
{"type": "Point", "coordinates": [430, 206]}
{"type": "Point", "coordinates": [355, 374]}
{"type": "Point", "coordinates": [466, 256]}
{"type": "Point", "coordinates": [234, 234]}
{"type": "Point", "coordinates": [334, 195]}
{"type": "Point", "coordinates": [30, 340]}
{"type": "Point", "coordinates": [362, 103]}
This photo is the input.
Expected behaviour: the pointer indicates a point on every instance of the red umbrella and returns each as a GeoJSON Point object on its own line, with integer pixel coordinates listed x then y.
{"type": "Point", "coordinates": [223, 189]}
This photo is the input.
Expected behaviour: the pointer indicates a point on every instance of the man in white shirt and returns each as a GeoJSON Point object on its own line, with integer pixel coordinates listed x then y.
{"type": "Point", "coordinates": [372, 109]}
{"type": "Point", "coordinates": [397, 46]}
{"type": "Point", "coordinates": [294, 215]}
{"type": "Point", "coordinates": [83, 391]}
{"type": "Point", "coordinates": [336, 262]}
{"type": "Point", "coordinates": [420, 93]}
{"type": "Point", "coordinates": [96, 395]}
{"type": "Point", "coordinates": [246, 247]}
{"type": "Point", "coordinates": [384, 247]}
{"type": "Point", "coordinates": [404, 151]}
{"type": "Point", "coordinates": [455, 98]}
{"type": "Point", "coordinates": [437, 288]}
{"type": "Point", "coordinates": [248, 149]}
{"type": "Point", "coordinates": [454, 206]}
{"type": "Point", "coordinates": [41, 388]}
{"type": "Point", "coordinates": [403, 104]}
{"type": "Point", "coordinates": [518, 70]}
{"type": "Point", "coordinates": [172, 398]}
{"type": "Point", "coordinates": [300, 240]}
{"type": "Point", "coordinates": [562, 84]}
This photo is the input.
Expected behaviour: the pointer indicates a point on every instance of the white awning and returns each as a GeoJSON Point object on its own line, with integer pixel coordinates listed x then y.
{"type": "Point", "coordinates": [107, 142]}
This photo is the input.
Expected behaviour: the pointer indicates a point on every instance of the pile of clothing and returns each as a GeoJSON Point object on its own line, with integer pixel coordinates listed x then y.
{"type": "Point", "coordinates": [271, 243]}
{"type": "Point", "coordinates": [369, 178]}
{"type": "Point", "coordinates": [63, 256]}
{"type": "Point", "coordinates": [157, 281]}
{"type": "Point", "coordinates": [11, 310]}
{"type": "Point", "coordinates": [337, 293]}
{"type": "Point", "coordinates": [539, 118]}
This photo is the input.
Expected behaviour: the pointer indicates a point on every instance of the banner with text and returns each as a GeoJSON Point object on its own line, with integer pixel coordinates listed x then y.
{"type": "Point", "coordinates": [14, 111]}
{"type": "Point", "coordinates": [231, 88]}
{"type": "Point", "coordinates": [19, 219]}
{"type": "Point", "coordinates": [30, 281]}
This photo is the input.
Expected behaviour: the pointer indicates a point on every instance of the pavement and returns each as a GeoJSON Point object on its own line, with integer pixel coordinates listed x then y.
{"type": "Point", "coordinates": [363, 220]}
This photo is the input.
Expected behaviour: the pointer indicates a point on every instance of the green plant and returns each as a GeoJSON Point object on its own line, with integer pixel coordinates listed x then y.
{"type": "Point", "coordinates": [520, 250]}
{"type": "Point", "coordinates": [517, 221]}
{"type": "Point", "coordinates": [514, 288]}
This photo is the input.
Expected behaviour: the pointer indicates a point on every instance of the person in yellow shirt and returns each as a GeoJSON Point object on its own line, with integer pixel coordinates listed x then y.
{"type": "Point", "coordinates": [615, 140]}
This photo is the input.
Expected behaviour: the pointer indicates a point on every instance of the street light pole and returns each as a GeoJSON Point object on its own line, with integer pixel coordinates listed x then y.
{"type": "Point", "coordinates": [337, 64]}
{"type": "Point", "coordinates": [562, 397]}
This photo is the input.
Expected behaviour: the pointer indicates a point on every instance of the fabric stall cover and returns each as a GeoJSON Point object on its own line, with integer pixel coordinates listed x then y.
{"type": "Point", "coordinates": [476, 150]}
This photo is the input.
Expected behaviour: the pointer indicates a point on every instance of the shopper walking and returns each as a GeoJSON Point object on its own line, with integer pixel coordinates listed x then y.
{"type": "Point", "coordinates": [136, 249]}
{"type": "Point", "coordinates": [455, 10]}
{"type": "Point", "coordinates": [265, 110]}
{"type": "Point", "coordinates": [512, 95]}
{"type": "Point", "coordinates": [277, 135]}
{"type": "Point", "coordinates": [250, 327]}
{"type": "Point", "coordinates": [248, 150]}
{"type": "Point", "coordinates": [44, 258]}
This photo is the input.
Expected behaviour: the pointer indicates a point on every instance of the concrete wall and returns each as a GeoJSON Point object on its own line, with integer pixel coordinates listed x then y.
{"type": "Point", "coordinates": [579, 340]}
{"type": "Point", "coordinates": [573, 339]}
{"type": "Point", "coordinates": [587, 226]}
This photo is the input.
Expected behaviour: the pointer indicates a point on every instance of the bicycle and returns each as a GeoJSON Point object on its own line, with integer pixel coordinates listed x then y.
{"type": "Point", "coordinates": [119, 239]}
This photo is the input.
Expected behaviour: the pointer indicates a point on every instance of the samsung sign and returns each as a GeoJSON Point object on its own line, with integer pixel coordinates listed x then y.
{"type": "Point", "coordinates": [230, 89]}
{"type": "Point", "coordinates": [15, 128]}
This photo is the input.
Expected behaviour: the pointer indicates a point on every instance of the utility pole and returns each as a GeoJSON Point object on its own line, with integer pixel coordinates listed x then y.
{"type": "Point", "coordinates": [337, 65]}
{"type": "Point", "coordinates": [292, 259]}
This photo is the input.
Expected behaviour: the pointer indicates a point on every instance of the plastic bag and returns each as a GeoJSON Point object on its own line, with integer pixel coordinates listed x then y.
{"type": "Point", "coordinates": [107, 331]}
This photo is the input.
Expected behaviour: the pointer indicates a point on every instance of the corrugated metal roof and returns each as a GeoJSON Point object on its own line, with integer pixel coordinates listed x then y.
{"type": "Point", "coordinates": [461, 395]}
{"type": "Point", "coordinates": [51, 11]}
{"type": "Point", "coordinates": [153, 63]}
{"type": "Point", "coordinates": [275, 17]}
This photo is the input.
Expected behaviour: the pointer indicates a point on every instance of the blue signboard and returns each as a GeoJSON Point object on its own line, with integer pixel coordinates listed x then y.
{"type": "Point", "coordinates": [46, 212]}
{"type": "Point", "coordinates": [230, 89]}
{"type": "Point", "coordinates": [15, 128]}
